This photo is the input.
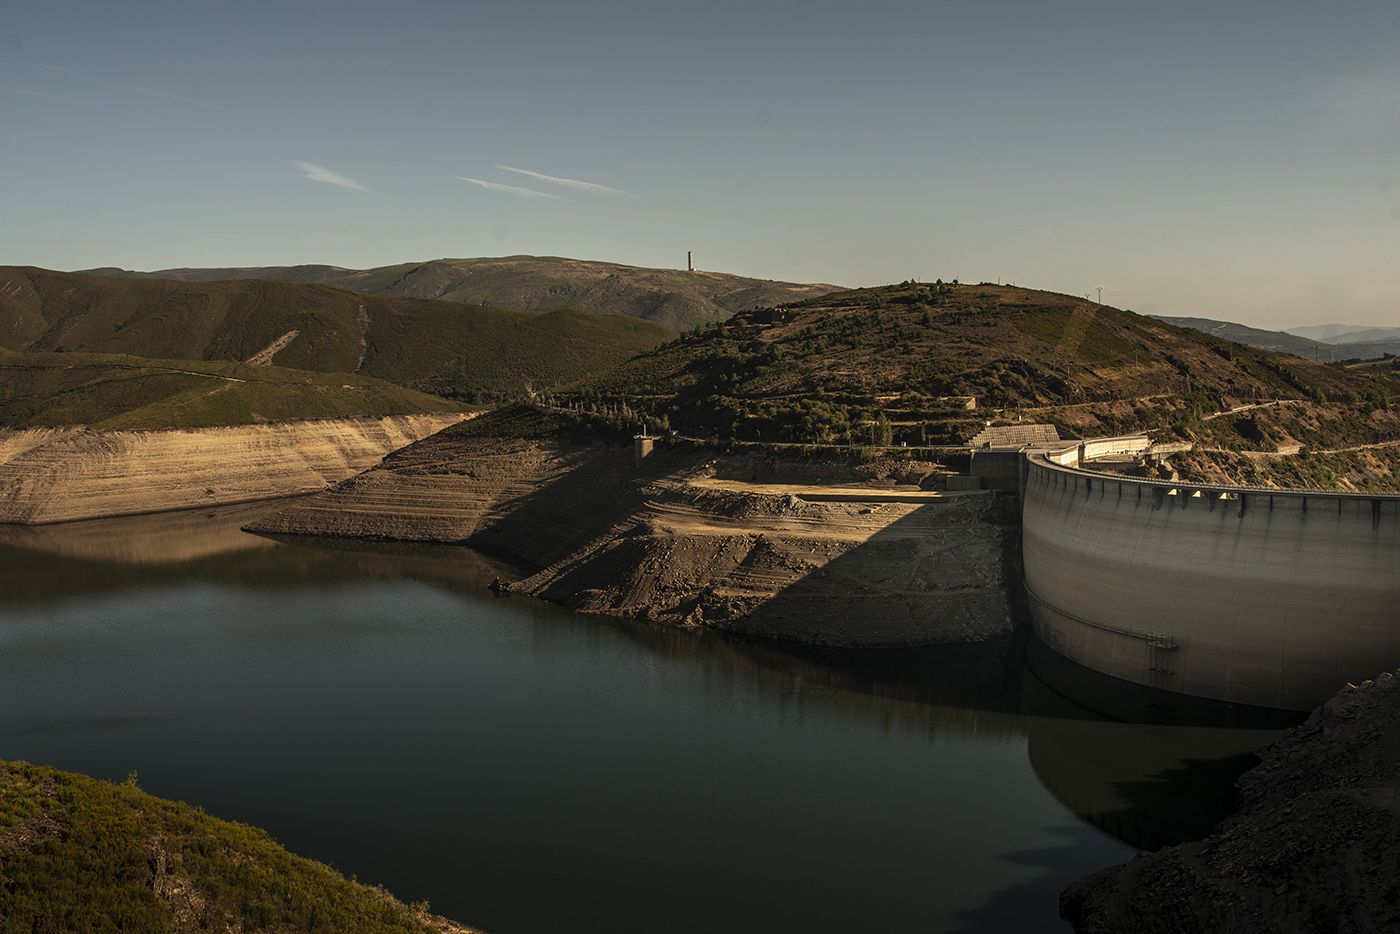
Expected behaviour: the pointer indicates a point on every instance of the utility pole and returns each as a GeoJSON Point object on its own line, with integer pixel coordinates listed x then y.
{"type": "Point", "coordinates": [1100, 295]}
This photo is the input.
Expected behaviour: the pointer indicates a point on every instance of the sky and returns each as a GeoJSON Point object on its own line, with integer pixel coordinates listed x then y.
{"type": "Point", "coordinates": [1237, 160]}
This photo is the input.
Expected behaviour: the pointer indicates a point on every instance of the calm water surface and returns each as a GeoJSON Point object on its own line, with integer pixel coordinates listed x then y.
{"type": "Point", "coordinates": [529, 769]}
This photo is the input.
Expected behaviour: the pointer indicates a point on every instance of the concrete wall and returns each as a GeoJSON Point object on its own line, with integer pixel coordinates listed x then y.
{"type": "Point", "coordinates": [1267, 598]}
{"type": "Point", "coordinates": [1108, 447]}
{"type": "Point", "coordinates": [997, 470]}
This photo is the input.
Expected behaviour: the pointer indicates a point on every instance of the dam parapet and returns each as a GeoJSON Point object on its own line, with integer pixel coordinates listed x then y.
{"type": "Point", "coordinates": [1274, 598]}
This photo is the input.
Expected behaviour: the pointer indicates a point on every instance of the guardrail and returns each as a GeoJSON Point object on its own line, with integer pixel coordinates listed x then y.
{"type": "Point", "coordinates": [1046, 460]}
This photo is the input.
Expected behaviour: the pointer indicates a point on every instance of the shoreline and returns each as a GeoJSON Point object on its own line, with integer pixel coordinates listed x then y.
{"type": "Point", "coordinates": [695, 537]}
{"type": "Point", "coordinates": [51, 476]}
{"type": "Point", "coordinates": [1310, 844]}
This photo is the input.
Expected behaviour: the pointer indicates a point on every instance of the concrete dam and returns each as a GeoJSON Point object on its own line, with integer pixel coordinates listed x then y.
{"type": "Point", "coordinates": [1253, 596]}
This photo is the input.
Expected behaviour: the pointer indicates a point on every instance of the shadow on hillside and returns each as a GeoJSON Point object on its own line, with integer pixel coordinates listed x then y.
{"type": "Point", "coordinates": [947, 571]}
{"type": "Point", "coordinates": [602, 488]}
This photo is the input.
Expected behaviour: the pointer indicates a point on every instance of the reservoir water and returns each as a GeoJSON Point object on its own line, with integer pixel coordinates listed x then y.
{"type": "Point", "coordinates": [528, 769]}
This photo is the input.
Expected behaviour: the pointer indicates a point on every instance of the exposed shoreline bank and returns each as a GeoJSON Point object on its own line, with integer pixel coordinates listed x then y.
{"type": "Point", "coordinates": [693, 537]}
{"type": "Point", "coordinates": [52, 475]}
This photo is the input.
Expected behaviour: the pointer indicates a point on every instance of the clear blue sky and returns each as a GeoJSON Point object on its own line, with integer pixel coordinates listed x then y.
{"type": "Point", "coordinates": [1237, 160]}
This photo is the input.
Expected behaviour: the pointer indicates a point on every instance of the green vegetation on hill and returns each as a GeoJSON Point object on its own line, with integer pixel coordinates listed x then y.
{"type": "Point", "coordinates": [77, 854]}
{"type": "Point", "coordinates": [900, 364]}
{"type": "Point", "coordinates": [114, 391]}
{"type": "Point", "coordinates": [449, 349]}
{"type": "Point", "coordinates": [1367, 470]}
{"type": "Point", "coordinates": [675, 298]}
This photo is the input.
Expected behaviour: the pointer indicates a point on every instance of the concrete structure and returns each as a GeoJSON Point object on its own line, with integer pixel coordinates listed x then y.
{"type": "Point", "coordinates": [1014, 436]}
{"type": "Point", "coordinates": [997, 470]}
{"type": "Point", "coordinates": [1259, 597]}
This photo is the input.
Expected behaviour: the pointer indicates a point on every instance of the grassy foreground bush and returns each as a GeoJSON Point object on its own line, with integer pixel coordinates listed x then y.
{"type": "Point", "coordinates": [78, 854]}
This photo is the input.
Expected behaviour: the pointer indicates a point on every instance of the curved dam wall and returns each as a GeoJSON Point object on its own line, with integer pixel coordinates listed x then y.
{"type": "Point", "coordinates": [1260, 597]}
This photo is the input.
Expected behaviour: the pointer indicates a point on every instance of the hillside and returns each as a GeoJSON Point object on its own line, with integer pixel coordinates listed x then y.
{"type": "Point", "coordinates": [904, 363]}
{"type": "Point", "coordinates": [1367, 335]}
{"type": "Point", "coordinates": [674, 298]}
{"type": "Point", "coordinates": [1370, 345]}
{"type": "Point", "coordinates": [113, 391]}
{"type": "Point", "coordinates": [1345, 333]}
{"type": "Point", "coordinates": [450, 349]}
{"type": "Point", "coordinates": [85, 855]}
{"type": "Point", "coordinates": [1280, 341]}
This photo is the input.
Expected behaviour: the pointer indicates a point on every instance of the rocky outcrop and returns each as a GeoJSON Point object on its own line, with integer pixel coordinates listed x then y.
{"type": "Point", "coordinates": [1313, 845]}
{"type": "Point", "coordinates": [669, 542]}
{"type": "Point", "coordinates": [62, 474]}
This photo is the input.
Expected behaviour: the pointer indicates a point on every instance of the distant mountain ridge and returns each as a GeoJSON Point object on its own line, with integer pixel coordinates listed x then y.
{"type": "Point", "coordinates": [445, 348]}
{"type": "Point", "coordinates": [1345, 333]}
{"type": "Point", "coordinates": [675, 298]}
{"type": "Point", "coordinates": [1367, 335]}
{"type": "Point", "coordinates": [1340, 347]}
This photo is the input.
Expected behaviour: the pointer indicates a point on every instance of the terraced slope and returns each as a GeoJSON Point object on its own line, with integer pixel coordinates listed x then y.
{"type": "Point", "coordinates": [85, 435]}
{"type": "Point", "coordinates": [674, 298]}
{"type": "Point", "coordinates": [462, 351]}
{"type": "Point", "coordinates": [63, 474]}
{"type": "Point", "coordinates": [743, 544]}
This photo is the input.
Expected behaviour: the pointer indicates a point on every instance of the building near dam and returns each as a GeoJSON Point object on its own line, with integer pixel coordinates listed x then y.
{"type": "Point", "coordinates": [1263, 597]}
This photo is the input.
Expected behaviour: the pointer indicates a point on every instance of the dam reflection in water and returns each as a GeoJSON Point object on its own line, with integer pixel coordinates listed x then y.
{"type": "Point", "coordinates": [529, 769]}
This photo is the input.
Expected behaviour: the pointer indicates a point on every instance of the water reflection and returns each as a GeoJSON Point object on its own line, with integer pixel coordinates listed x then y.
{"type": "Point", "coordinates": [527, 769]}
{"type": "Point", "coordinates": [71, 559]}
{"type": "Point", "coordinates": [167, 538]}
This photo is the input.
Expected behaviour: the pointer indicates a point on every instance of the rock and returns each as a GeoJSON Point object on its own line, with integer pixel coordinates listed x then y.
{"type": "Point", "coordinates": [1314, 844]}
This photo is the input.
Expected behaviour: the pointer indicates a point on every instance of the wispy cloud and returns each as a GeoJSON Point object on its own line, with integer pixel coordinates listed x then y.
{"type": "Point", "coordinates": [319, 173]}
{"type": "Point", "coordinates": [44, 95]}
{"type": "Point", "coordinates": [506, 189]}
{"type": "Point", "coordinates": [152, 92]}
{"type": "Point", "coordinates": [574, 183]}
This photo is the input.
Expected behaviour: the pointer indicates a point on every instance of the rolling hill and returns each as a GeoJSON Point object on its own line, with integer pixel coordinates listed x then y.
{"type": "Point", "coordinates": [905, 362]}
{"type": "Point", "coordinates": [1280, 341]}
{"type": "Point", "coordinates": [1367, 336]}
{"type": "Point", "coordinates": [445, 348]}
{"type": "Point", "coordinates": [1345, 333]}
{"type": "Point", "coordinates": [674, 298]}
{"type": "Point", "coordinates": [114, 391]}
{"type": "Point", "coordinates": [1371, 344]}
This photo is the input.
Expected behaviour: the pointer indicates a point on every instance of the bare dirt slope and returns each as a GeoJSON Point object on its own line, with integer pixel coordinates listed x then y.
{"type": "Point", "coordinates": [1314, 844]}
{"type": "Point", "coordinates": [688, 538]}
{"type": "Point", "coordinates": [57, 475]}
{"type": "Point", "coordinates": [869, 572]}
